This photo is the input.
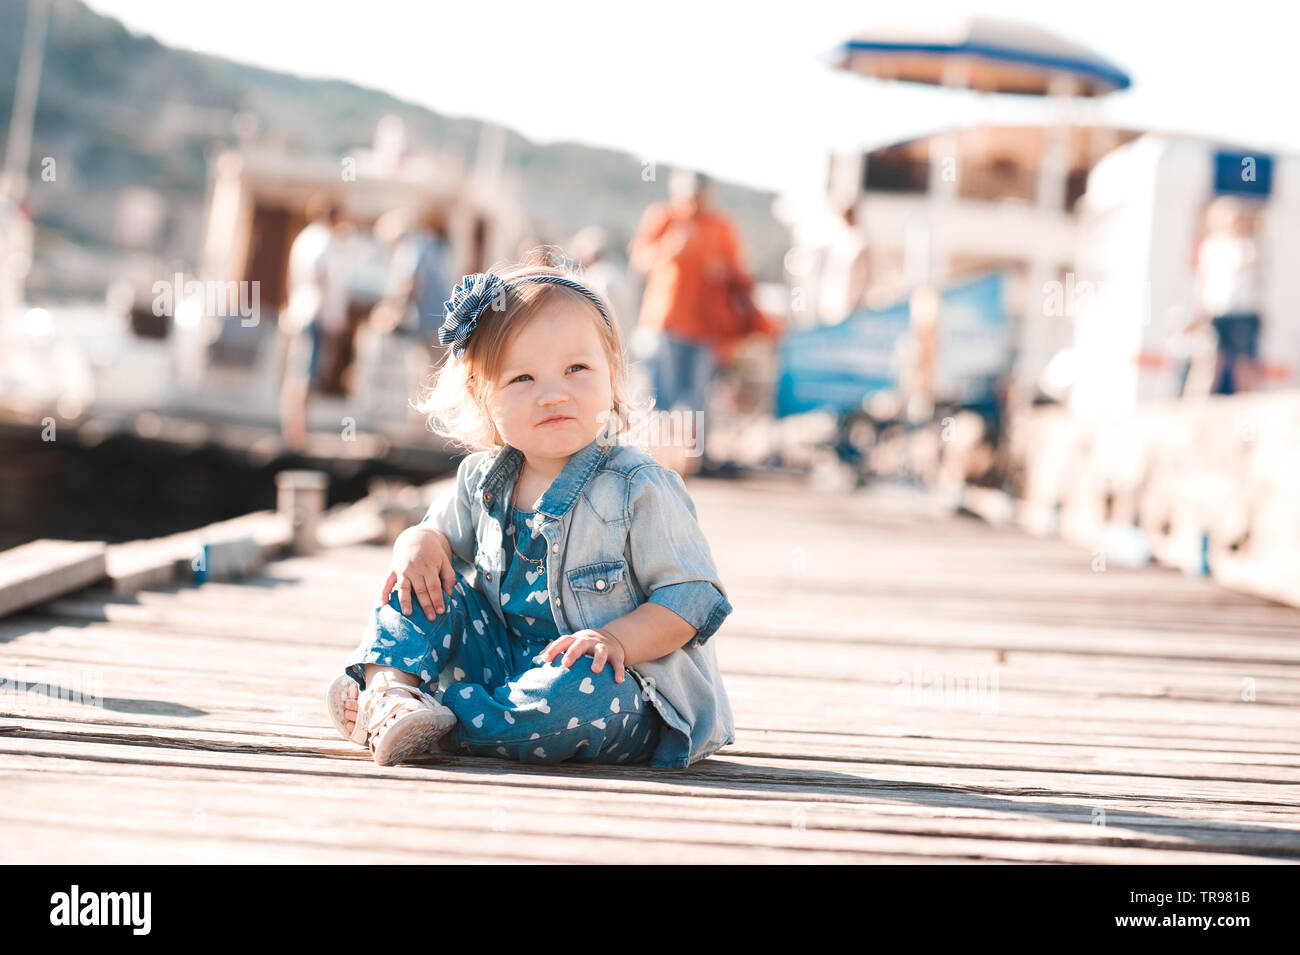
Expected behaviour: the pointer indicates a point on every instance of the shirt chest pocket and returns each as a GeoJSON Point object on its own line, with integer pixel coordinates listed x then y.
{"type": "Point", "coordinates": [601, 591]}
{"type": "Point", "coordinates": [490, 563]}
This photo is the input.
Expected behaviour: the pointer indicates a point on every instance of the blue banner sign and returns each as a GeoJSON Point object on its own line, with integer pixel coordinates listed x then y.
{"type": "Point", "coordinates": [837, 367]}
{"type": "Point", "coordinates": [1243, 174]}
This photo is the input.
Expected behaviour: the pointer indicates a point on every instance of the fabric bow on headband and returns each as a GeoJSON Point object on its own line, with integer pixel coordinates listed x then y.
{"type": "Point", "coordinates": [476, 292]}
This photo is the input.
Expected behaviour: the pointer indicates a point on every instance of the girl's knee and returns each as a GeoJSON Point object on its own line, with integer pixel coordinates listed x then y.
{"type": "Point", "coordinates": [588, 694]}
{"type": "Point", "coordinates": [417, 613]}
{"type": "Point", "coordinates": [605, 682]}
{"type": "Point", "coordinates": [581, 671]}
{"type": "Point", "coordinates": [461, 595]}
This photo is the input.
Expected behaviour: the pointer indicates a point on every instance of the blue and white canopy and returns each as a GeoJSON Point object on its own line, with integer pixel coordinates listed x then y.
{"type": "Point", "coordinates": [993, 55]}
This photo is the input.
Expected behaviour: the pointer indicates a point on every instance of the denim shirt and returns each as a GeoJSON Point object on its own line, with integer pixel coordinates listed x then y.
{"type": "Point", "coordinates": [620, 530]}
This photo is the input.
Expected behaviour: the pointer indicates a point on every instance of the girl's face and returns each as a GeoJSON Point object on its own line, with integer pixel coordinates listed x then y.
{"type": "Point", "coordinates": [553, 394]}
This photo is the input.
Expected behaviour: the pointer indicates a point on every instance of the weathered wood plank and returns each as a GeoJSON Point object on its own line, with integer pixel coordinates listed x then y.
{"type": "Point", "coordinates": [1162, 766]}
{"type": "Point", "coordinates": [1162, 701]}
{"type": "Point", "coordinates": [962, 785]}
{"type": "Point", "coordinates": [564, 816]}
{"type": "Point", "coordinates": [642, 792]}
{"type": "Point", "coordinates": [162, 561]}
{"type": "Point", "coordinates": [45, 569]}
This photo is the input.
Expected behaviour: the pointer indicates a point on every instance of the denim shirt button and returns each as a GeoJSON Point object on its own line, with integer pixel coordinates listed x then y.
{"type": "Point", "coordinates": [489, 575]}
{"type": "Point", "coordinates": [555, 548]}
{"type": "Point", "coordinates": [600, 585]}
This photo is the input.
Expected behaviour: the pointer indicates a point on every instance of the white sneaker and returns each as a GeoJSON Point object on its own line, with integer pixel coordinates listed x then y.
{"type": "Point", "coordinates": [400, 720]}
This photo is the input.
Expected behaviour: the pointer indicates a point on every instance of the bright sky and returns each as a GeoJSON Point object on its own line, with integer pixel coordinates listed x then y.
{"type": "Point", "coordinates": [736, 89]}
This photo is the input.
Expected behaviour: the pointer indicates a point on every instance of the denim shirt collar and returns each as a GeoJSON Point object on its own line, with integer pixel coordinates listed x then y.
{"type": "Point", "coordinates": [556, 500]}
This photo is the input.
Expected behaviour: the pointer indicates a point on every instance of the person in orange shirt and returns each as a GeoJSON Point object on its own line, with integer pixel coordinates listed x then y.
{"type": "Point", "coordinates": [688, 251]}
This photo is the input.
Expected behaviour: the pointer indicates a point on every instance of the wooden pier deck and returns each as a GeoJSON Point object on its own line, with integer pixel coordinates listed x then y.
{"type": "Point", "coordinates": [1117, 716]}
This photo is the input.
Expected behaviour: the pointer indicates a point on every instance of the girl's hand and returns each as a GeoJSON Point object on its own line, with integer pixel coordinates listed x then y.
{"type": "Point", "coordinates": [600, 646]}
{"type": "Point", "coordinates": [421, 562]}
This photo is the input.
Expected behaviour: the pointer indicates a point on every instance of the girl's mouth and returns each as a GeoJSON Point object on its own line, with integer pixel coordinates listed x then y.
{"type": "Point", "coordinates": [555, 419]}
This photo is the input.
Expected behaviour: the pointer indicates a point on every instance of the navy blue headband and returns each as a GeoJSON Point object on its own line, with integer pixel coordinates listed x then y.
{"type": "Point", "coordinates": [477, 291]}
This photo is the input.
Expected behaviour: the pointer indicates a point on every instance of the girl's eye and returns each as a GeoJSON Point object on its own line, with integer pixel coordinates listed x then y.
{"type": "Point", "coordinates": [517, 377]}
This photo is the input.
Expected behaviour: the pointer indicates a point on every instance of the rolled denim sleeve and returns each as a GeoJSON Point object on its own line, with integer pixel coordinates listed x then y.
{"type": "Point", "coordinates": [450, 511]}
{"type": "Point", "coordinates": [668, 553]}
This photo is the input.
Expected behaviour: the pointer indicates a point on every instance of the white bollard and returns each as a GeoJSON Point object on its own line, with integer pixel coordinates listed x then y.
{"type": "Point", "coordinates": [300, 496]}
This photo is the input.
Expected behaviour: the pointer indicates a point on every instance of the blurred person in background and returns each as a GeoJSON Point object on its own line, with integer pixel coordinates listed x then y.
{"type": "Point", "coordinates": [688, 252]}
{"type": "Point", "coordinates": [1228, 286]}
{"type": "Point", "coordinates": [15, 250]}
{"type": "Point", "coordinates": [419, 278]}
{"type": "Point", "coordinates": [919, 356]}
{"type": "Point", "coordinates": [315, 319]}
{"type": "Point", "coordinates": [1195, 347]}
{"type": "Point", "coordinates": [844, 277]}
{"type": "Point", "coordinates": [395, 310]}
{"type": "Point", "coordinates": [421, 272]}
{"type": "Point", "coordinates": [391, 343]}
{"type": "Point", "coordinates": [590, 249]}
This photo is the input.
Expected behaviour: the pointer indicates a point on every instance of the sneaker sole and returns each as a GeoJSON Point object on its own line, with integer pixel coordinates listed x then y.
{"type": "Point", "coordinates": [337, 697]}
{"type": "Point", "coordinates": [413, 735]}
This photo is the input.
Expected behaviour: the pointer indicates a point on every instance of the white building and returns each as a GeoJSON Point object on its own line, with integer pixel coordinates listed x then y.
{"type": "Point", "coordinates": [1105, 276]}
{"type": "Point", "coordinates": [1138, 225]}
{"type": "Point", "coordinates": [977, 205]}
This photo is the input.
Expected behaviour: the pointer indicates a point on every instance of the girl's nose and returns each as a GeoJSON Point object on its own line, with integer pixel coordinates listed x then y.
{"type": "Point", "coordinates": [552, 392]}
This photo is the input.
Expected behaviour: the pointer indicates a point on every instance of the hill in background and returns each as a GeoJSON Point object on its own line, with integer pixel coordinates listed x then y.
{"type": "Point", "coordinates": [119, 111]}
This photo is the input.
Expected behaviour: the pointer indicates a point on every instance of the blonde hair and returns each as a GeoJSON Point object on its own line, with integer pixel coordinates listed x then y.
{"type": "Point", "coordinates": [455, 403]}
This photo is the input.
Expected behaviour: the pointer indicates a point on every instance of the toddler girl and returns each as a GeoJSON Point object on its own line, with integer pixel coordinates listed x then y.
{"type": "Point", "coordinates": [557, 602]}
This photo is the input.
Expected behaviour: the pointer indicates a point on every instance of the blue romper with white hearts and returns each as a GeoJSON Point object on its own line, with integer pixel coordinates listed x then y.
{"type": "Point", "coordinates": [507, 702]}
{"type": "Point", "coordinates": [525, 598]}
